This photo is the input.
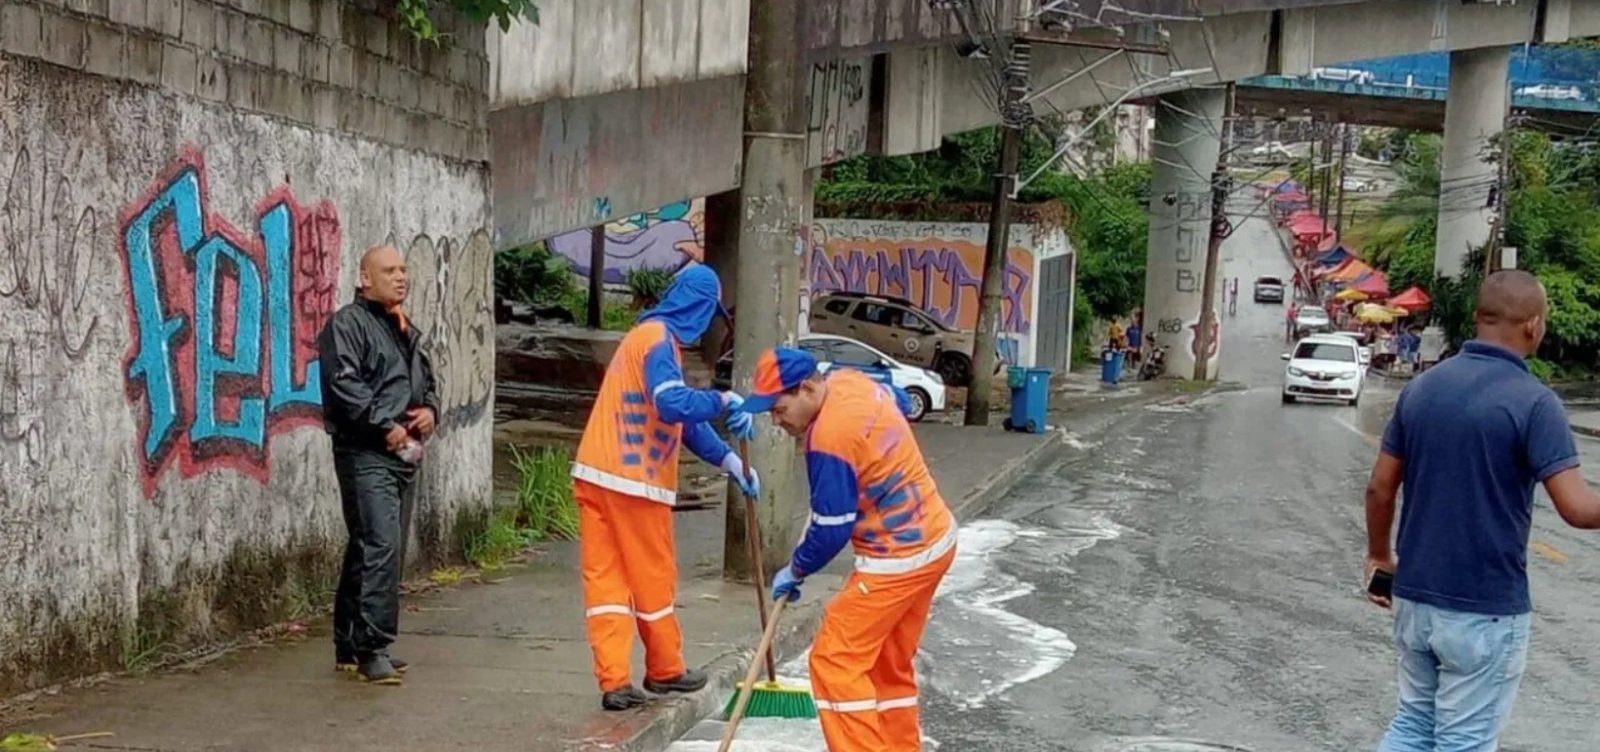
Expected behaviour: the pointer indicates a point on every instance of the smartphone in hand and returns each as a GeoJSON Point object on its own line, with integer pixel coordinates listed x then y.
{"type": "Point", "coordinates": [1382, 584]}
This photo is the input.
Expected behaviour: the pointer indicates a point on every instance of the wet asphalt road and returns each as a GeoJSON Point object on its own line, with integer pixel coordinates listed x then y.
{"type": "Point", "coordinates": [1204, 560]}
{"type": "Point", "coordinates": [1190, 581]}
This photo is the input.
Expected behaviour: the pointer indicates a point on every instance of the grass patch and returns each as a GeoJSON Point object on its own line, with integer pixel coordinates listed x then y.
{"type": "Point", "coordinates": [1190, 386]}
{"type": "Point", "coordinates": [142, 649]}
{"type": "Point", "coordinates": [545, 509]}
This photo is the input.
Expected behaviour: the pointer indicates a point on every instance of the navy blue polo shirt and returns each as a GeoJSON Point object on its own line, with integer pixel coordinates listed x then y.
{"type": "Point", "coordinates": [1474, 434]}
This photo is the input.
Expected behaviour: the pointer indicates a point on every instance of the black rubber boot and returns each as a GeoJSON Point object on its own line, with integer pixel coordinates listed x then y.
{"type": "Point", "coordinates": [692, 680]}
{"type": "Point", "coordinates": [378, 670]}
{"type": "Point", "coordinates": [347, 662]}
{"type": "Point", "coordinates": [627, 698]}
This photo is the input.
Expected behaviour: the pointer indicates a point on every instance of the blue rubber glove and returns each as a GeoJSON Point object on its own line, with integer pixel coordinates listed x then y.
{"type": "Point", "coordinates": [735, 468]}
{"type": "Point", "coordinates": [740, 423]}
{"type": "Point", "coordinates": [785, 584]}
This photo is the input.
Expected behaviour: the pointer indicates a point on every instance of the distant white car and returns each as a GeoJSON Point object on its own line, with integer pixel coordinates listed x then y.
{"type": "Point", "coordinates": [1551, 91]}
{"type": "Point", "coordinates": [1353, 75]}
{"type": "Point", "coordinates": [1312, 320]}
{"type": "Point", "coordinates": [1324, 367]}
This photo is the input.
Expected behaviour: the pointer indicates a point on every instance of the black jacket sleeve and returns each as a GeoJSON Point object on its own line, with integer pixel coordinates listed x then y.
{"type": "Point", "coordinates": [347, 399]}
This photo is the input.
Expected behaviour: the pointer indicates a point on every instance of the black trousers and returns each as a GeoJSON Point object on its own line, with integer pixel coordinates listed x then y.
{"type": "Point", "coordinates": [375, 488]}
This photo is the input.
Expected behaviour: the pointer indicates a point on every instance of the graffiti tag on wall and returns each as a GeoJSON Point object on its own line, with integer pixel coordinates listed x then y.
{"type": "Point", "coordinates": [224, 324]}
{"type": "Point", "coordinates": [666, 238]}
{"type": "Point", "coordinates": [837, 126]}
{"type": "Point", "coordinates": [941, 275]}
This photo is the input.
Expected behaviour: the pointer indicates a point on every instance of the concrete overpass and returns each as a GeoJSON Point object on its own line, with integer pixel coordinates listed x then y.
{"type": "Point", "coordinates": [1417, 108]}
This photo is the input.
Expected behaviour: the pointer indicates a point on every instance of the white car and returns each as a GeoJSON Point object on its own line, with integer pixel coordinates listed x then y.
{"type": "Point", "coordinates": [1311, 319]}
{"type": "Point", "coordinates": [1324, 367]}
{"type": "Point", "coordinates": [926, 388]}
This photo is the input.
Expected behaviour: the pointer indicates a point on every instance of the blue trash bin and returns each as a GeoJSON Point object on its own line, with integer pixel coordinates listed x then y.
{"type": "Point", "coordinates": [1110, 366]}
{"type": "Point", "coordinates": [1030, 399]}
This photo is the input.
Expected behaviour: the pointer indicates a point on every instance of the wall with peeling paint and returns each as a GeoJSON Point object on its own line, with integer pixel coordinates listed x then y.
{"type": "Point", "coordinates": [165, 264]}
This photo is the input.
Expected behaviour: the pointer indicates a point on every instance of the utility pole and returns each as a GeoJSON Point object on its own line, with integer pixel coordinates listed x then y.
{"type": "Point", "coordinates": [1219, 232]}
{"type": "Point", "coordinates": [1311, 165]}
{"type": "Point", "coordinates": [1497, 233]}
{"type": "Point", "coordinates": [1344, 154]}
{"type": "Point", "coordinates": [771, 202]}
{"type": "Point", "coordinates": [1327, 173]}
{"type": "Point", "coordinates": [1014, 117]}
{"type": "Point", "coordinates": [597, 273]}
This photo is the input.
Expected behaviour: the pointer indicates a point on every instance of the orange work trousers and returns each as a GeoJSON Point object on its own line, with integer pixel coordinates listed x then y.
{"type": "Point", "coordinates": [630, 579]}
{"type": "Point", "coordinates": [861, 670]}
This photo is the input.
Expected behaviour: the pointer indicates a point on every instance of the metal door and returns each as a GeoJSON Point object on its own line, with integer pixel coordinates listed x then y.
{"type": "Point", "coordinates": [1054, 317]}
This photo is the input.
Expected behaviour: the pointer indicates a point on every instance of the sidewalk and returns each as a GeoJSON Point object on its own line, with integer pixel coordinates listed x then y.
{"type": "Point", "coordinates": [501, 665]}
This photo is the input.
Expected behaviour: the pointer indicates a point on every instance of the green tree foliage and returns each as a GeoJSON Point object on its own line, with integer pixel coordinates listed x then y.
{"type": "Point", "coordinates": [417, 16]}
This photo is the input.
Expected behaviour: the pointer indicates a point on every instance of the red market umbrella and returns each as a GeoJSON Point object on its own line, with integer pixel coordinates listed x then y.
{"type": "Point", "coordinates": [1375, 285]}
{"type": "Point", "coordinates": [1413, 299]}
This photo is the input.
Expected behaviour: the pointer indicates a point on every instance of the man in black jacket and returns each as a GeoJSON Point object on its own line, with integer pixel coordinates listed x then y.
{"type": "Point", "coordinates": [379, 405]}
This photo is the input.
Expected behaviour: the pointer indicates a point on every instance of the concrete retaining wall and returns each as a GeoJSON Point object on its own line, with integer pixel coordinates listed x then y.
{"type": "Point", "coordinates": [185, 190]}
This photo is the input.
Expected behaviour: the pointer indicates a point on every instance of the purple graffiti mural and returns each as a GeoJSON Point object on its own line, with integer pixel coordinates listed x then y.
{"type": "Point", "coordinates": [938, 280]}
{"type": "Point", "coordinates": [666, 238]}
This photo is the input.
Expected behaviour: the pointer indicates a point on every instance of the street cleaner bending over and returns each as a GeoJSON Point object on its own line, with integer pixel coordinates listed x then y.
{"type": "Point", "coordinates": [626, 483]}
{"type": "Point", "coordinates": [871, 487]}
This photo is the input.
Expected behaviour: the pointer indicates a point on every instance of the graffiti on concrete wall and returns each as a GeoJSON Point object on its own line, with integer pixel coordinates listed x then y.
{"type": "Point", "coordinates": [939, 269]}
{"type": "Point", "coordinates": [224, 323]}
{"type": "Point", "coordinates": [666, 238]}
{"type": "Point", "coordinates": [47, 259]}
{"type": "Point", "coordinates": [452, 293]}
{"type": "Point", "coordinates": [839, 111]}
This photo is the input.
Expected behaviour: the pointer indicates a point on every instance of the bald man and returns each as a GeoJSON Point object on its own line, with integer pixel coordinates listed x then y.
{"type": "Point", "coordinates": [380, 406]}
{"type": "Point", "coordinates": [1468, 441]}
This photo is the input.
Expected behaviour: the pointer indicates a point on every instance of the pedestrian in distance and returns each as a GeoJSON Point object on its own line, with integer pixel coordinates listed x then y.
{"type": "Point", "coordinates": [1468, 441]}
{"type": "Point", "coordinates": [625, 481]}
{"type": "Point", "coordinates": [870, 486]}
{"type": "Point", "coordinates": [380, 406]}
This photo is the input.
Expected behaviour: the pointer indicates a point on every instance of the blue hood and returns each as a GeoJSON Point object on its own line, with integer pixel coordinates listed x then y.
{"type": "Point", "coordinates": [688, 306]}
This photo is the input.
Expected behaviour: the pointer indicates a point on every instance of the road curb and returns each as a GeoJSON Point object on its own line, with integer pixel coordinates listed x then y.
{"type": "Point", "coordinates": [980, 498]}
{"type": "Point", "coordinates": [1593, 433]}
{"type": "Point", "coordinates": [674, 718]}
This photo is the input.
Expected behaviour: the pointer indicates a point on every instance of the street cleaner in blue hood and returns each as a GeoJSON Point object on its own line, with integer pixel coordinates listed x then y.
{"type": "Point", "coordinates": [625, 481]}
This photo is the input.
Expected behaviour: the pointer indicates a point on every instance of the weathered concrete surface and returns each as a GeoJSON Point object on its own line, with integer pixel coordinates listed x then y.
{"type": "Point", "coordinates": [501, 666]}
{"type": "Point", "coordinates": [1186, 142]}
{"type": "Point", "coordinates": [165, 263]}
{"type": "Point", "coordinates": [1468, 170]}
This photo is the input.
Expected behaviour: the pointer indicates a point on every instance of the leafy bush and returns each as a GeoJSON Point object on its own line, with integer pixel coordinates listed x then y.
{"type": "Point", "coordinates": [532, 274]}
{"type": "Point", "coordinates": [648, 285]}
{"type": "Point", "coordinates": [416, 16]}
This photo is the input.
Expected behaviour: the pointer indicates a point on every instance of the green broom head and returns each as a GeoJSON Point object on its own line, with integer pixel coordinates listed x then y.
{"type": "Point", "coordinates": [773, 700]}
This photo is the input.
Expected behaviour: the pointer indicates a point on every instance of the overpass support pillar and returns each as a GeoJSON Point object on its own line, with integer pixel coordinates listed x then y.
{"type": "Point", "coordinates": [1185, 148]}
{"type": "Point", "coordinates": [1474, 116]}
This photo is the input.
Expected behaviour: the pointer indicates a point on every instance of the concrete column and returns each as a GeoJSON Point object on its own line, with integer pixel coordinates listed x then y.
{"type": "Point", "coordinates": [1474, 115]}
{"type": "Point", "coordinates": [1185, 147]}
{"type": "Point", "coordinates": [772, 228]}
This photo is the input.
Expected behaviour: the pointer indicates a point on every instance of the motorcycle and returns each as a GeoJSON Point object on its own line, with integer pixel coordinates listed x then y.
{"type": "Point", "coordinates": [1155, 364]}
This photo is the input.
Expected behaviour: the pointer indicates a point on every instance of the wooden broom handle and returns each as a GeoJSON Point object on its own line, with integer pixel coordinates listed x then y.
{"type": "Point", "coordinates": [752, 535]}
{"type": "Point", "coordinates": [750, 676]}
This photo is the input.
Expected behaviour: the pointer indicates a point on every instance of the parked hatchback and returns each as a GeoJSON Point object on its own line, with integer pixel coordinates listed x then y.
{"type": "Point", "coordinates": [924, 387]}
{"type": "Point", "coordinates": [898, 328]}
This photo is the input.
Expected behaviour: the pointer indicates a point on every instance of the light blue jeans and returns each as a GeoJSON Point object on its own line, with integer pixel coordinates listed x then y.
{"type": "Point", "coordinates": [1458, 678]}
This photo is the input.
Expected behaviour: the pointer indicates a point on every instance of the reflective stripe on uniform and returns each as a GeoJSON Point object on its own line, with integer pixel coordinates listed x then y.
{"type": "Point", "coordinates": [848, 706]}
{"type": "Point", "coordinates": [656, 615]}
{"type": "Point", "coordinates": [621, 485]}
{"type": "Point", "coordinates": [594, 611]}
{"type": "Point", "coordinates": [871, 565]}
{"type": "Point", "coordinates": [898, 702]}
{"type": "Point", "coordinates": [837, 519]}
{"type": "Point", "coordinates": [664, 386]}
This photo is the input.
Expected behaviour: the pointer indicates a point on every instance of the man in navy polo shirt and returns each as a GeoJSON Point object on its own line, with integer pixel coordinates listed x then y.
{"type": "Point", "coordinates": [1468, 441]}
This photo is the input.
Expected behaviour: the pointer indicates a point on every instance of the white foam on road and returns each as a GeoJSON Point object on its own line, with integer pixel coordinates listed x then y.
{"type": "Point", "coordinates": [975, 649]}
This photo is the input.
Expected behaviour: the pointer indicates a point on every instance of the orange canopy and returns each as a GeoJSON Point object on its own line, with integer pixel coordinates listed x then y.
{"type": "Point", "coordinates": [1350, 270]}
